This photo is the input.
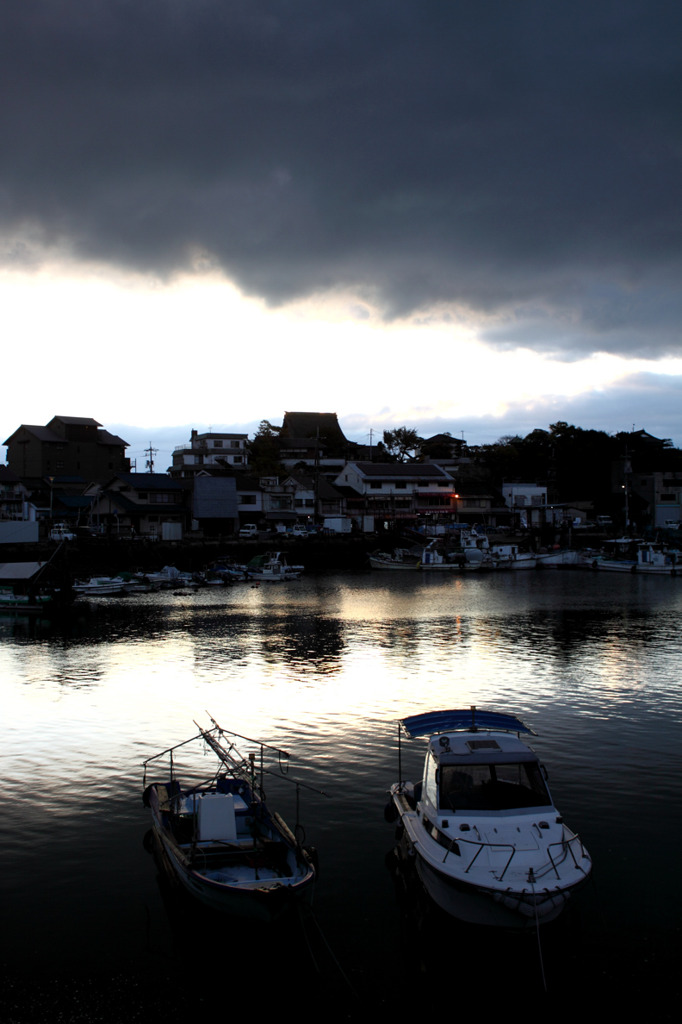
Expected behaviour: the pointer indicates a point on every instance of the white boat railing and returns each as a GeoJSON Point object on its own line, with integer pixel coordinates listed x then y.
{"type": "Point", "coordinates": [565, 844]}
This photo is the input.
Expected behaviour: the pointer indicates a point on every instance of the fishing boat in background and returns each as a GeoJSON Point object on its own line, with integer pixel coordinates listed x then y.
{"type": "Point", "coordinates": [561, 558]}
{"type": "Point", "coordinates": [218, 838]}
{"type": "Point", "coordinates": [481, 828]}
{"type": "Point", "coordinates": [645, 557]}
{"type": "Point", "coordinates": [273, 568]}
{"type": "Point", "coordinates": [470, 550]}
{"type": "Point", "coordinates": [399, 558]}
{"type": "Point", "coordinates": [508, 556]}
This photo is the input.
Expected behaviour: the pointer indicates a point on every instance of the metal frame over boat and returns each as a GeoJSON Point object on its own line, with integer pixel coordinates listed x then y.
{"type": "Point", "coordinates": [481, 828]}
{"type": "Point", "coordinates": [219, 839]}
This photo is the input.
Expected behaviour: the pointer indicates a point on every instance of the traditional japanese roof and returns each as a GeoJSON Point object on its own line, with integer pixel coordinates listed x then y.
{"type": "Point", "coordinates": [307, 425]}
{"type": "Point", "coordinates": [104, 437]}
{"type": "Point", "coordinates": [77, 421]}
{"type": "Point", "coordinates": [49, 436]}
{"type": "Point", "coordinates": [42, 433]}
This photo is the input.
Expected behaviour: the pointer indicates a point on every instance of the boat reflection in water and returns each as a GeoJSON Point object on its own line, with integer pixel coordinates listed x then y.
{"type": "Point", "coordinates": [487, 841]}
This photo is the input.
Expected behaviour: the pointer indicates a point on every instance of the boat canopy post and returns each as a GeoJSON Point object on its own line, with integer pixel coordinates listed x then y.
{"type": "Point", "coordinates": [400, 755]}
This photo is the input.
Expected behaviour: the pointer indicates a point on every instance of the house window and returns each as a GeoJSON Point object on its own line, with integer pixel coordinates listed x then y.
{"type": "Point", "coordinates": [248, 499]}
{"type": "Point", "coordinates": [237, 459]}
{"type": "Point", "coordinates": [217, 444]}
{"type": "Point", "coordinates": [400, 486]}
{"type": "Point", "coordinates": [375, 486]}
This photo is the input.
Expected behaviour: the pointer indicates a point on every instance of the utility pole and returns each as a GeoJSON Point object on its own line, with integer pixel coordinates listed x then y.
{"type": "Point", "coordinates": [151, 452]}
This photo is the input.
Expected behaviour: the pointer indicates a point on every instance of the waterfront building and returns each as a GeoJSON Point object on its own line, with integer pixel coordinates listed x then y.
{"type": "Point", "coordinates": [150, 505]}
{"type": "Point", "coordinates": [397, 490]}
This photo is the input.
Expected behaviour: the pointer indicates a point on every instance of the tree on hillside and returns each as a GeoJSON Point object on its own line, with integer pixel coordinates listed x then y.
{"type": "Point", "coordinates": [264, 451]}
{"type": "Point", "coordinates": [403, 443]}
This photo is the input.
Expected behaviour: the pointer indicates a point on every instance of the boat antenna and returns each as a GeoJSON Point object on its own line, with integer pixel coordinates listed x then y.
{"type": "Point", "coordinates": [473, 718]}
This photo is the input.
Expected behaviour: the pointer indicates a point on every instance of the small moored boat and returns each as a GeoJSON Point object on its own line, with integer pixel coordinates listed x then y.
{"type": "Point", "coordinates": [219, 839]}
{"type": "Point", "coordinates": [487, 842]}
{"type": "Point", "coordinates": [272, 568]}
{"type": "Point", "coordinates": [399, 558]}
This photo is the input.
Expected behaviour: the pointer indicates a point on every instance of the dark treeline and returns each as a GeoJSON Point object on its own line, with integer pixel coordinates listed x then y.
{"type": "Point", "coordinates": [574, 463]}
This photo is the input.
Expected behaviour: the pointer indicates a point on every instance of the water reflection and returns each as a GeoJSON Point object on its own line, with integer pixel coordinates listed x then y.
{"type": "Point", "coordinates": [324, 668]}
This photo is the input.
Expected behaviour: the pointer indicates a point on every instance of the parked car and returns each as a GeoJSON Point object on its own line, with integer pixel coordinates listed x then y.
{"type": "Point", "coordinates": [60, 531]}
{"type": "Point", "coordinates": [249, 530]}
{"type": "Point", "coordinates": [299, 531]}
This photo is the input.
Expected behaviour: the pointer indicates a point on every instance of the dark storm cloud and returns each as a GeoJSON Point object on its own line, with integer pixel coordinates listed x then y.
{"type": "Point", "coordinates": [517, 158]}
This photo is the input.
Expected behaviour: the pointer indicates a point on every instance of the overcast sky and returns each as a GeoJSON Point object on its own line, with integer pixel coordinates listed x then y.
{"type": "Point", "coordinates": [449, 215]}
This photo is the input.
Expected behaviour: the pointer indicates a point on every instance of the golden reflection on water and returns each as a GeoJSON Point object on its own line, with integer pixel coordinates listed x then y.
{"type": "Point", "coordinates": [316, 658]}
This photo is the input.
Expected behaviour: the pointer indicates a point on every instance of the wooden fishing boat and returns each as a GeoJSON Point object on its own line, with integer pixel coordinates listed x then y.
{"type": "Point", "coordinates": [219, 839]}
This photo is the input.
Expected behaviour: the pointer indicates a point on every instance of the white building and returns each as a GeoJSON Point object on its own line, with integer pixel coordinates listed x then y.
{"type": "Point", "coordinates": [209, 451]}
{"type": "Point", "coordinates": [527, 500]}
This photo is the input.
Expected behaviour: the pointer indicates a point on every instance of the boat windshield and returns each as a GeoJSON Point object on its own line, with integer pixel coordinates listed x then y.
{"type": "Point", "coordinates": [492, 787]}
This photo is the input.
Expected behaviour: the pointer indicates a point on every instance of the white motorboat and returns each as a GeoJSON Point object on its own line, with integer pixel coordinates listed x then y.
{"type": "Point", "coordinates": [218, 838]}
{"type": "Point", "coordinates": [99, 586]}
{"type": "Point", "coordinates": [481, 828]}
{"type": "Point", "coordinates": [272, 568]}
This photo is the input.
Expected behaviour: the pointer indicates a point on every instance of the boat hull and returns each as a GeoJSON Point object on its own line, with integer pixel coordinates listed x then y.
{"type": "Point", "coordinates": [263, 903]}
{"type": "Point", "coordinates": [245, 887]}
{"type": "Point", "coordinates": [504, 905]}
{"type": "Point", "coordinates": [475, 905]}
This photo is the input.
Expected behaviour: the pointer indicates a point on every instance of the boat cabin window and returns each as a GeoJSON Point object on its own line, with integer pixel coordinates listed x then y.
{"type": "Point", "coordinates": [492, 787]}
{"type": "Point", "coordinates": [430, 780]}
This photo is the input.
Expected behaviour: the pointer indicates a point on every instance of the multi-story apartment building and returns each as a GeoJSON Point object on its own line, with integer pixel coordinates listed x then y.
{"type": "Point", "coordinates": [397, 490]}
{"type": "Point", "coordinates": [210, 452]}
{"type": "Point", "coordinates": [68, 446]}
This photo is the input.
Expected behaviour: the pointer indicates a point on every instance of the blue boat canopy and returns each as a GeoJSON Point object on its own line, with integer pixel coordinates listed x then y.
{"type": "Point", "coordinates": [462, 718]}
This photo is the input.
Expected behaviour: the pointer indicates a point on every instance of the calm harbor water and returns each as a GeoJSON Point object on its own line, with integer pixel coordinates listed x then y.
{"type": "Point", "coordinates": [324, 667]}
